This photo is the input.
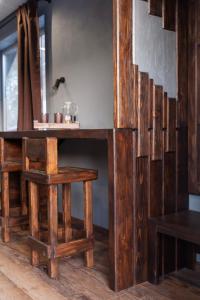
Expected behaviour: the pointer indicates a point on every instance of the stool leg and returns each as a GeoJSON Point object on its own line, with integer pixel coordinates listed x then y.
{"type": "Point", "coordinates": [34, 224]}
{"type": "Point", "coordinates": [66, 201]}
{"type": "Point", "coordinates": [5, 206]}
{"type": "Point", "coordinates": [24, 209]}
{"type": "Point", "coordinates": [88, 221]}
{"type": "Point", "coordinates": [52, 229]}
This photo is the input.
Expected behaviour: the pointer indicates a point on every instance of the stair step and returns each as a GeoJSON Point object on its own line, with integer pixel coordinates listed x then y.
{"type": "Point", "coordinates": [169, 14]}
{"type": "Point", "coordinates": [155, 7]}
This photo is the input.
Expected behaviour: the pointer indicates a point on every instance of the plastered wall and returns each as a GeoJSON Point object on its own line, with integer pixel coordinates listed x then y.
{"type": "Point", "coordinates": [154, 49]}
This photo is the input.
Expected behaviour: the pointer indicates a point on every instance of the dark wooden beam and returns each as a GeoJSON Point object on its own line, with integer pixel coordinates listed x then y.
{"type": "Point", "coordinates": [122, 48]}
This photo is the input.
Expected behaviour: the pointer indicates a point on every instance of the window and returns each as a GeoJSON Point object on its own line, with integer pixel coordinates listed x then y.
{"type": "Point", "coordinates": [10, 88]}
{"type": "Point", "coordinates": [9, 77]}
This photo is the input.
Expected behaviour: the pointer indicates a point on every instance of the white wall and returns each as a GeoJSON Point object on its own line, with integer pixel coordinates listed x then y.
{"type": "Point", "coordinates": [154, 49]}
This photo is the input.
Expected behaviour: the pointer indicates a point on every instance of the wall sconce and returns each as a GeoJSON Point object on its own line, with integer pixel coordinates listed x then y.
{"type": "Point", "coordinates": [58, 82]}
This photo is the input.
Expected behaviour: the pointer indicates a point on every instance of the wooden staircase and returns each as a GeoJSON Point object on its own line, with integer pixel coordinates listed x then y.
{"type": "Point", "coordinates": [166, 9]}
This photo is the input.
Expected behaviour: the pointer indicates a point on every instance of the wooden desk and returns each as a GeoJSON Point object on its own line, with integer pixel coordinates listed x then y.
{"type": "Point", "coordinates": [120, 144]}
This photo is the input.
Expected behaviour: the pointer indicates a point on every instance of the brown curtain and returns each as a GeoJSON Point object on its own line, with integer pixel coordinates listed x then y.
{"type": "Point", "coordinates": [29, 91]}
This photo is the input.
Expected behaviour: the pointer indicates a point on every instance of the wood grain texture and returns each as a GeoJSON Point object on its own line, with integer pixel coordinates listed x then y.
{"type": "Point", "coordinates": [66, 202]}
{"type": "Point", "coordinates": [182, 61]}
{"type": "Point", "coordinates": [121, 151]}
{"type": "Point", "coordinates": [155, 7]}
{"type": "Point", "coordinates": [88, 221]}
{"type": "Point", "coordinates": [34, 224]}
{"type": "Point", "coordinates": [140, 220]}
{"type": "Point", "coordinates": [5, 206]}
{"type": "Point", "coordinates": [143, 105]}
{"type": "Point", "coordinates": [122, 58]}
{"type": "Point", "coordinates": [169, 201]}
{"type": "Point", "coordinates": [169, 14]}
{"type": "Point", "coordinates": [194, 92]}
{"type": "Point", "coordinates": [171, 125]}
{"type": "Point", "coordinates": [52, 229]}
{"type": "Point", "coordinates": [157, 141]}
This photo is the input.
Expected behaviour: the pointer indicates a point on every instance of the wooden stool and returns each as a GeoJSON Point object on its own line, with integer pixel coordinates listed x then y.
{"type": "Point", "coordinates": [41, 168]}
{"type": "Point", "coordinates": [10, 166]}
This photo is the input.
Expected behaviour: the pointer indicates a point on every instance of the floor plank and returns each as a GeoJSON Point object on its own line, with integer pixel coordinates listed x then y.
{"type": "Point", "coordinates": [76, 282]}
{"type": "Point", "coordinates": [9, 291]}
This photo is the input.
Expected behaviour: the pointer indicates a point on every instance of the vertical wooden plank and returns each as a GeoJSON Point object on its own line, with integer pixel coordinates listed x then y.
{"type": "Point", "coordinates": [122, 56]}
{"type": "Point", "coordinates": [141, 219]}
{"type": "Point", "coordinates": [171, 125]}
{"type": "Point", "coordinates": [194, 186]}
{"type": "Point", "coordinates": [150, 104]}
{"type": "Point", "coordinates": [33, 221]}
{"type": "Point", "coordinates": [88, 221]}
{"type": "Point", "coordinates": [155, 7]}
{"type": "Point", "coordinates": [1, 151]}
{"type": "Point", "coordinates": [185, 252]}
{"type": "Point", "coordinates": [157, 139]}
{"type": "Point", "coordinates": [52, 155]}
{"type": "Point", "coordinates": [134, 88]}
{"type": "Point", "coordinates": [169, 14]}
{"type": "Point", "coordinates": [165, 101]}
{"type": "Point", "coordinates": [182, 60]}
{"type": "Point", "coordinates": [121, 151]}
{"type": "Point", "coordinates": [5, 206]}
{"type": "Point", "coordinates": [143, 103]}
{"type": "Point", "coordinates": [169, 194]}
{"type": "Point", "coordinates": [66, 190]}
{"type": "Point", "coordinates": [52, 229]}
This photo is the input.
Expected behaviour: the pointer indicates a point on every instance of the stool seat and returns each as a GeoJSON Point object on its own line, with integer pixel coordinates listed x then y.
{"type": "Point", "coordinates": [64, 175]}
{"type": "Point", "coordinates": [11, 166]}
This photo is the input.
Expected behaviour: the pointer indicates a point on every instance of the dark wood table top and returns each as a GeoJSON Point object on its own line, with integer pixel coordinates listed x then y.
{"type": "Point", "coordinates": [97, 134]}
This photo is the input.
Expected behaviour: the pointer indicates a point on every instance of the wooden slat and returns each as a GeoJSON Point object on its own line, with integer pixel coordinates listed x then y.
{"type": "Point", "coordinates": [134, 88]}
{"type": "Point", "coordinates": [122, 45]}
{"type": "Point", "coordinates": [169, 202]}
{"type": "Point", "coordinates": [171, 125]}
{"type": "Point", "coordinates": [155, 197]}
{"type": "Point", "coordinates": [165, 100]}
{"type": "Point", "coordinates": [155, 7]}
{"type": "Point", "coordinates": [157, 141]}
{"type": "Point", "coordinates": [74, 247]}
{"type": "Point", "coordinates": [143, 102]}
{"type": "Point", "coordinates": [169, 14]}
{"type": "Point", "coordinates": [88, 221]}
{"type": "Point", "coordinates": [141, 217]}
{"type": "Point", "coordinates": [182, 58]}
{"type": "Point", "coordinates": [150, 104]}
{"type": "Point", "coordinates": [122, 146]}
{"type": "Point", "coordinates": [194, 93]}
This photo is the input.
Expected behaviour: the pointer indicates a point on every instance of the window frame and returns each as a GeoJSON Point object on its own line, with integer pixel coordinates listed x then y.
{"type": "Point", "coordinates": [2, 86]}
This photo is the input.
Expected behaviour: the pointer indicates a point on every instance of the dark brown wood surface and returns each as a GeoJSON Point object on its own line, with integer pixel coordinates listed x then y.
{"type": "Point", "coordinates": [194, 92]}
{"type": "Point", "coordinates": [155, 7]}
{"type": "Point", "coordinates": [169, 14]}
{"type": "Point", "coordinates": [122, 58]}
{"type": "Point", "coordinates": [121, 151]}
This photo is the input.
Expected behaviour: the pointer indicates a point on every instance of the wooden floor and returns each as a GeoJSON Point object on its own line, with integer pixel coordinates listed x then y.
{"type": "Point", "coordinates": [20, 281]}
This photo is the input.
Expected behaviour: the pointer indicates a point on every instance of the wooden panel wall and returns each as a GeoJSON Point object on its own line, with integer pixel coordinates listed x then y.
{"type": "Point", "coordinates": [194, 97]}
{"type": "Point", "coordinates": [160, 134]}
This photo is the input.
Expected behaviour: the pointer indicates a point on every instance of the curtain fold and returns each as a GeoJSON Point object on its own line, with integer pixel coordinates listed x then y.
{"type": "Point", "coordinates": [29, 86]}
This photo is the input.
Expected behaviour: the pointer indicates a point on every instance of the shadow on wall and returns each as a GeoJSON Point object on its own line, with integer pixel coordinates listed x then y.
{"type": "Point", "coordinates": [88, 154]}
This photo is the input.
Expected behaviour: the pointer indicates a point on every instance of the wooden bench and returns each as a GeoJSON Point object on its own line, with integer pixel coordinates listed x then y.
{"type": "Point", "coordinates": [182, 225]}
{"type": "Point", "coordinates": [41, 168]}
{"type": "Point", "coordinates": [12, 214]}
